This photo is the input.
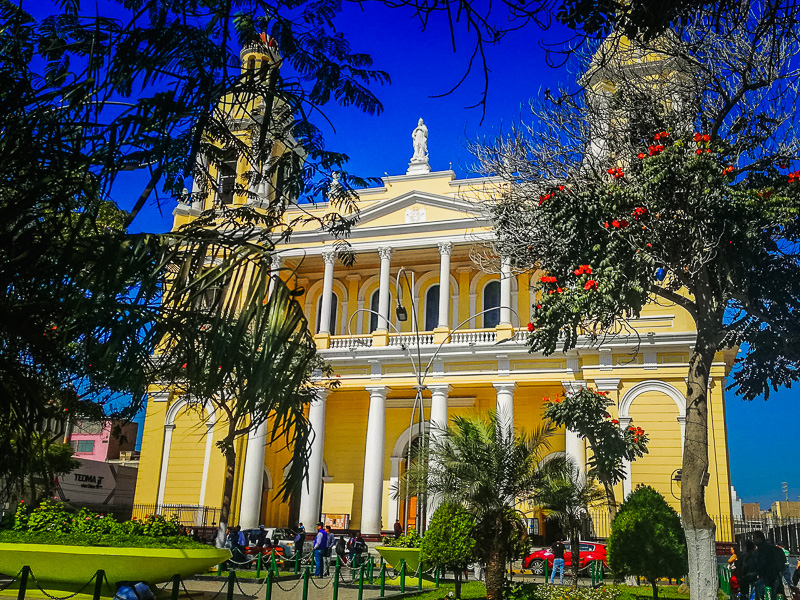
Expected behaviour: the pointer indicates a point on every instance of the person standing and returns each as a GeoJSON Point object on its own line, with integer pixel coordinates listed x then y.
{"type": "Point", "coordinates": [746, 569]}
{"type": "Point", "coordinates": [558, 549]}
{"type": "Point", "coordinates": [320, 545]}
{"type": "Point", "coordinates": [331, 542]}
{"type": "Point", "coordinates": [398, 529]}
{"type": "Point", "coordinates": [770, 562]}
{"type": "Point", "coordinates": [351, 548]}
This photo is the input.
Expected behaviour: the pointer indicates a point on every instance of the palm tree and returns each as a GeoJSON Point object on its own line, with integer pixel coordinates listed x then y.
{"type": "Point", "coordinates": [475, 463]}
{"type": "Point", "coordinates": [565, 495]}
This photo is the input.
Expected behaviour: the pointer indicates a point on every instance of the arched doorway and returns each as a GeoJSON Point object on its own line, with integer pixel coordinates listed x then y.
{"type": "Point", "coordinates": [408, 510]}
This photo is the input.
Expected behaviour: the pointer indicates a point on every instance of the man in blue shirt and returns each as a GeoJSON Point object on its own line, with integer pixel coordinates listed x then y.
{"type": "Point", "coordinates": [320, 546]}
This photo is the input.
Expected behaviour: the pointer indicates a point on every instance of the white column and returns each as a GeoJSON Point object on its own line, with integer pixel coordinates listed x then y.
{"type": "Point", "coordinates": [327, 294]}
{"type": "Point", "coordinates": [162, 480]}
{"type": "Point", "coordinates": [505, 291]}
{"type": "Point", "coordinates": [445, 248]}
{"type": "Point", "coordinates": [439, 421]}
{"type": "Point", "coordinates": [682, 423]}
{"type": "Point", "coordinates": [574, 445]}
{"type": "Point", "coordinates": [311, 492]}
{"type": "Point", "coordinates": [372, 490]}
{"type": "Point", "coordinates": [439, 413]}
{"type": "Point", "coordinates": [627, 486]}
{"type": "Point", "coordinates": [201, 501]}
{"type": "Point", "coordinates": [253, 477]}
{"type": "Point", "coordinates": [384, 293]}
{"type": "Point", "coordinates": [505, 404]}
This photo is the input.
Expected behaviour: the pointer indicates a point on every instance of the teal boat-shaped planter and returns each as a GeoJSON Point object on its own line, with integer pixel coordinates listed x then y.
{"type": "Point", "coordinates": [393, 556]}
{"type": "Point", "coordinates": [70, 567]}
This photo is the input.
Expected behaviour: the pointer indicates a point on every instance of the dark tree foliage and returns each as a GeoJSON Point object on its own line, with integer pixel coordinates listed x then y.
{"type": "Point", "coordinates": [85, 97]}
{"type": "Point", "coordinates": [647, 539]}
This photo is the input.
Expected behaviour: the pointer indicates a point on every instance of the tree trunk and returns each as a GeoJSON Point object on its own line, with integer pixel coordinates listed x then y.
{"type": "Point", "coordinates": [611, 499]}
{"type": "Point", "coordinates": [227, 495]}
{"type": "Point", "coordinates": [457, 573]}
{"type": "Point", "coordinates": [495, 572]}
{"type": "Point", "coordinates": [697, 524]}
{"type": "Point", "coordinates": [575, 552]}
{"type": "Point", "coordinates": [655, 589]}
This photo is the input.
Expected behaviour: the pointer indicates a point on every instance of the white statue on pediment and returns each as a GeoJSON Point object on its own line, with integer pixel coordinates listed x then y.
{"type": "Point", "coordinates": [419, 160]}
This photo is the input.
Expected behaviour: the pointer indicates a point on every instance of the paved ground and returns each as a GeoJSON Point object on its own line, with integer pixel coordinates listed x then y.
{"type": "Point", "coordinates": [318, 589]}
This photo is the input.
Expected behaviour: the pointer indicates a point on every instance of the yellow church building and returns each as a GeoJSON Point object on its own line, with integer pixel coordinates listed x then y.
{"type": "Point", "coordinates": [414, 246]}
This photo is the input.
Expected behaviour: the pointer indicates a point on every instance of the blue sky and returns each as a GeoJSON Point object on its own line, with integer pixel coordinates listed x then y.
{"type": "Point", "coordinates": [422, 65]}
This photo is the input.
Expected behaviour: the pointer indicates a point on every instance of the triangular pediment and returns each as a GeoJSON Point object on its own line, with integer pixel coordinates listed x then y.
{"type": "Point", "coordinates": [416, 207]}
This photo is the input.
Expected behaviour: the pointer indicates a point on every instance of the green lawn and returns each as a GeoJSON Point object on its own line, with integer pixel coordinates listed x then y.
{"type": "Point", "coordinates": [646, 591]}
{"type": "Point", "coordinates": [472, 589]}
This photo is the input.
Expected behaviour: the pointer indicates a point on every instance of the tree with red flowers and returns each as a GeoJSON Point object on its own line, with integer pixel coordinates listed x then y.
{"type": "Point", "coordinates": [586, 412]}
{"type": "Point", "coordinates": [704, 217]}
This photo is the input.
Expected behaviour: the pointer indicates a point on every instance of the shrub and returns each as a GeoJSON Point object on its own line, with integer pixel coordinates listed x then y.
{"type": "Point", "coordinates": [449, 542]}
{"type": "Point", "coordinates": [535, 591]}
{"type": "Point", "coordinates": [647, 539]}
{"type": "Point", "coordinates": [410, 540]}
{"type": "Point", "coordinates": [55, 520]}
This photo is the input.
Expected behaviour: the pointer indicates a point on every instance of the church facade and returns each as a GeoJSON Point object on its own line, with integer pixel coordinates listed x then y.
{"type": "Point", "coordinates": [461, 345]}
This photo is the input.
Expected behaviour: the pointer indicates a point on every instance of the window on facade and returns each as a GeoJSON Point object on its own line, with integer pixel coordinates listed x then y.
{"type": "Point", "coordinates": [90, 427]}
{"type": "Point", "coordinates": [227, 178]}
{"type": "Point", "coordinates": [432, 308]}
{"type": "Point", "coordinates": [83, 446]}
{"type": "Point", "coordinates": [491, 300]}
{"type": "Point", "coordinates": [334, 313]}
{"type": "Point", "coordinates": [374, 302]}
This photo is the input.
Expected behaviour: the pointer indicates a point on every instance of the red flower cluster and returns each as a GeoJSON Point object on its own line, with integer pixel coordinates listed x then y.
{"type": "Point", "coordinates": [661, 134]}
{"type": "Point", "coordinates": [590, 285]}
{"type": "Point", "coordinates": [702, 139]}
{"type": "Point", "coordinates": [794, 177]}
{"type": "Point", "coordinates": [544, 197]}
{"type": "Point", "coordinates": [615, 421]}
{"type": "Point", "coordinates": [616, 172]}
{"type": "Point", "coordinates": [639, 212]}
{"type": "Point", "coordinates": [583, 269]}
{"type": "Point", "coordinates": [548, 279]}
{"type": "Point", "coordinates": [658, 149]}
{"type": "Point", "coordinates": [530, 326]}
{"type": "Point", "coordinates": [617, 224]}
{"type": "Point", "coordinates": [728, 169]}
{"type": "Point", "coordinates": [641, 155]}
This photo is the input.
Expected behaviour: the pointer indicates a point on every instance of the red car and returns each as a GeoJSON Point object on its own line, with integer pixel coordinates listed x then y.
{"type": "Point", "coordinates": [589, 552]}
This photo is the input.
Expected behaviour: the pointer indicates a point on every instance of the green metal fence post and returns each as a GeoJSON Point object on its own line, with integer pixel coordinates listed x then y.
{"type": "Point", "coordinates": [545, 571]}
{"type": "Point", "coordinates": [258, 565]}
{"type": "Point", "coordinates": [768, 593]}
{"type": "Point", "coordinates": [361, 582]}
{"type": "Point", "coordinates": [371, 569]}
{"type": "Point", "coordinates": [98, 584]}
{"type": "Point", "coordinates": [268, 593]}
{"type": "Point", "coordinates": [23, 583]}
{"type": "Point", "coordinates": [176, 586]}
{"type": "Point", "coordinates": [231, 584]}
{"type": "Point", "coordinates": [219, 570]}
{"type": "Point", "coordinates": [297, 554]}
{"type": "Point", "coordinates": [383, 578]}
{"type": "Point", "coordinates": [402, 576]}
{"type": "Point", "coordinates": [436, 576]}
{"type": "Point", "coordinates": [305, 582]}
{"type": "Point", "coordinates": [336, 579]}
{"type": "Point", "coordinates": [273, 564]}
{"type": "Point", "coordinates": [419, 576]}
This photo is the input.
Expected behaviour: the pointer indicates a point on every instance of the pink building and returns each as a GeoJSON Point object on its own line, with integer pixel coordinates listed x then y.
{"type": "Point", "coordinates": [92, 440]}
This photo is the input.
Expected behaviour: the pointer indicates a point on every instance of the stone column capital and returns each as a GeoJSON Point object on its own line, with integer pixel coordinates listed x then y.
{"type": "Point", "coordinates": [505, 386]}
{"type": "Point", "coordinates": [329, 257]}
{"type": "Point", "coordinates": [573, 386]}
{"type": "Point", "coordinates": [439, 388]}
{"type": "Point", "coordinates": [276, 262]}
{"type": "Point", "coordinates": [445, 248]}
{"type": "Point", "coordinates": [378, 390]}
{"type": "Point", "coordinates": [385, 252]}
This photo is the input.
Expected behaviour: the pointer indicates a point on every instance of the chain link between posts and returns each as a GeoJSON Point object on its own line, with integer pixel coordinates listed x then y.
{"type": "Point", "coordinates": [11, 581]}
{"type": "Point", "coordinates": [49, 595]}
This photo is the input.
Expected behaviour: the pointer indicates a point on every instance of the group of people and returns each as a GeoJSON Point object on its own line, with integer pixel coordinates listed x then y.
{"type": "Point", "coordinates": [760, 566]}
{"type": "Point", "coordinates": [325, 544]}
